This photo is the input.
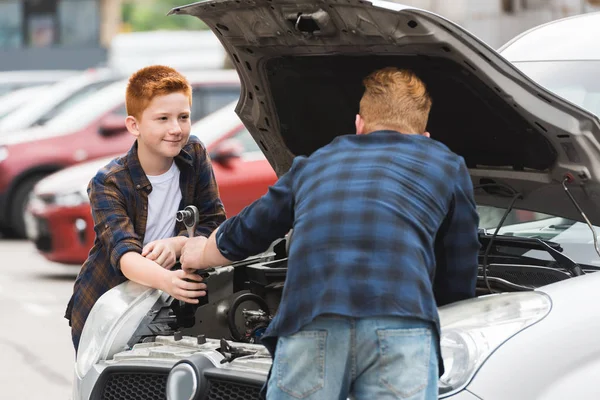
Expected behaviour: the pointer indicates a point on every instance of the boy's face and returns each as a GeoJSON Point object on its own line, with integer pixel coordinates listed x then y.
{"type": "Point", "coordinates": [164, 127]}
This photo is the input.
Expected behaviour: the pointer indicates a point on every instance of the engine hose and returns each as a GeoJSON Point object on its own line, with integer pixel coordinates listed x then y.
{"type": "Point", "coordinates": [235, 334]}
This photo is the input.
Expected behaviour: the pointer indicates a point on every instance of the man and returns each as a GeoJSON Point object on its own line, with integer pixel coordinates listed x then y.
{"type": "Point", "coordinates": [382, 220]}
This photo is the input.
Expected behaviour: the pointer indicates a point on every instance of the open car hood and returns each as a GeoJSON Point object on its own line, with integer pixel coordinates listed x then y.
{"type": "Point", "coordinates": [301, 64]}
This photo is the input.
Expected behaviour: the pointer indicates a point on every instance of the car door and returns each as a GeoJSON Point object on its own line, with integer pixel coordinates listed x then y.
{"type": "Point", "coordinates": [242, 177]}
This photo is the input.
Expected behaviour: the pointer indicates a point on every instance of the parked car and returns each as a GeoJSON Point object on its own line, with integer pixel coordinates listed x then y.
{"type": "Point", "coordinates": [63, 94]}
{"type": "Point", "coordinates": [13, 80]}
{"type": "Point", "coordinates": [92, 128]}
{"type": "Point", "coordinates": [16, 98]}
{"type": "Point", "coordinates": [59, 220]}
{"type": "Point", "coordinates": [301, 68]}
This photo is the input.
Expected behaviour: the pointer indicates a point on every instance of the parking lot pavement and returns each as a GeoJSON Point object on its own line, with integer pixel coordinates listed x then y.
{"type": "Point", "coordinates": [35, 341]}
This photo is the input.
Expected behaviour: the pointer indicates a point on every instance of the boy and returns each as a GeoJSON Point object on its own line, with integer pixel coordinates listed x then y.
{"type": "Point", "coordinates": [382, 220]}
{"type": "Point", "coordinates": [135, 198]}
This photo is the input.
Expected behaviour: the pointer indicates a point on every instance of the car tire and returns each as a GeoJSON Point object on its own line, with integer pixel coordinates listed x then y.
{"type": "Point", "coordinates": [18, 203]}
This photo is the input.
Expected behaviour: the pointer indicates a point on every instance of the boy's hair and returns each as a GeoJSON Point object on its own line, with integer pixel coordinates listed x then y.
{"type": "Point", "coordinates": [149, 82]}
{"type": "Point", "coordinates": [395, 98]}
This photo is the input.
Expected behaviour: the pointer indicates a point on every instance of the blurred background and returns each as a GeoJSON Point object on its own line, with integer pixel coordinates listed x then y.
{"type": "Point", "coordinates": [63, 70]}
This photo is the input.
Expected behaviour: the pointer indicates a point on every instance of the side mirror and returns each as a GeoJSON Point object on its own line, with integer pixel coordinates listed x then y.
{"type": "Point", "coordinates": [227, 152]}
{"type": "Point", "coordinates": [111, 125]}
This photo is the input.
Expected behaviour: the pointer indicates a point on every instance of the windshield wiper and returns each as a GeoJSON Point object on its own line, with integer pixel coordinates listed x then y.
{"type": "Point", "coordinates": [552, 248]}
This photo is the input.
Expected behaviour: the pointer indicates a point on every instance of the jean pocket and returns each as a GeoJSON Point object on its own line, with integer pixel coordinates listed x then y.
{"type": "Point", "coordinates": [405, 359]}
{"type": "Point", "coordinates": [300, 363]}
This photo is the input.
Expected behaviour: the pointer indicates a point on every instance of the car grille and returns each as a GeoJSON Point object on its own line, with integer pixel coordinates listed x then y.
{"type": "Point", "coordinates": [152, 386]}
{"type": "Point", "coordinates": [225, 390]}
{"type": "Point", "coordinates": [135, 386]}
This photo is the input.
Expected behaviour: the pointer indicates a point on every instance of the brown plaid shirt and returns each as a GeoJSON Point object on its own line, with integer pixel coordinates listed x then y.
{"type": "Point", "coordinates": [119, 200]}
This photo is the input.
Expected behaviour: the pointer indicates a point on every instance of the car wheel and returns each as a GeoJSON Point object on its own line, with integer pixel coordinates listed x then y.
{"type": "Point", "coordinates": [18, 203]}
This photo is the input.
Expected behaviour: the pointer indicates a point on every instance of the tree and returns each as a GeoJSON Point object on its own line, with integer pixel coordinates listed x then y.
{"type": "Point", "coordinates": [151, 15]}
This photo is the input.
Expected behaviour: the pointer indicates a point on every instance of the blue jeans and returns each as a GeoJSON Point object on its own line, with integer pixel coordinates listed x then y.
{"type": "Point", "coordinates": [336, 357]}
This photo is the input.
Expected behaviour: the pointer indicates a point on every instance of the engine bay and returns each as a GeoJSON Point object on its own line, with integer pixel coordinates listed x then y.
{"type": "Point", "coordinates": [243, 297]}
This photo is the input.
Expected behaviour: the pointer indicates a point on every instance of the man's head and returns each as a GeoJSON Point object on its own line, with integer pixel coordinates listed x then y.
{"type": "Point", "coordinates": [158, 101]}
{"type": "Point", "coordinates": [394, 99]}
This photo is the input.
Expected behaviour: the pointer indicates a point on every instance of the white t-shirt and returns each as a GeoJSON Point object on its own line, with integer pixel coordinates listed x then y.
{"type": "Point", "coordinates": [163, 204]}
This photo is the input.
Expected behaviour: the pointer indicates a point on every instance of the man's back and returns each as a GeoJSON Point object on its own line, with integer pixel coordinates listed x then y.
{"type": "Point", "coordinates": [367, 210]}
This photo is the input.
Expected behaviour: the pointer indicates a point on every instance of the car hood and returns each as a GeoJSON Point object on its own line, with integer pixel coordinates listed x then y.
{"type": "Point", "coordinates": [301, 65]}
{"type": "Point", "coordinates": [71, 179]}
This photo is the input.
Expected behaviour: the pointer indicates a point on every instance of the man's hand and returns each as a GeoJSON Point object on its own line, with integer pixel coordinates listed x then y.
{"type": "Point", "coordinates": [163, 252]}
{"type": "Point", "coordinates": [192, 254]}
{"type": "Point", "coordinates": [176, 285]}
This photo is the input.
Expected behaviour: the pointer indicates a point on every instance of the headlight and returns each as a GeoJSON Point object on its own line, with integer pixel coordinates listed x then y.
{"type": "Point", "coordinates": [112, 321]}
{"type": "Point", "coordinates": [3, 153]}
{"type": "Point", "coordinates": [473, 329]}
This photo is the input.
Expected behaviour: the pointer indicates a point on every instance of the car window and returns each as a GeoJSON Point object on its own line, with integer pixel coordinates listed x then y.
{"type": "Point", "coordinates": [92, 107]}
{"type": "Point", "coordinates": [576, 81]}
{"type": "Point", "coordinates": [207, 100]}
{"type": "Point", "coordinates": [245, 138]}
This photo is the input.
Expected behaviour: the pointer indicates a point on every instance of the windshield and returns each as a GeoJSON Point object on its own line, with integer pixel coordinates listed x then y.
{"type": "Point", "coordinates": [82, 113]}
{"type": "Point", "coordinates": [576, 81]}
{"type": "Point", "coordinates": [575, 237]}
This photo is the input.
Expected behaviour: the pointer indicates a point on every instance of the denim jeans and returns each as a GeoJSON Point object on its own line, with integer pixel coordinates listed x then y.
{"type": "Point", "coordinates": [336, 357]}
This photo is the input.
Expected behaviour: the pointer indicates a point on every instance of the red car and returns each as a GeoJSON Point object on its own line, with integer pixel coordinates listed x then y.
{"type": "Point", "coordinates": [90, 129]}
{"type": "Point", "coordinates": [58, 216]}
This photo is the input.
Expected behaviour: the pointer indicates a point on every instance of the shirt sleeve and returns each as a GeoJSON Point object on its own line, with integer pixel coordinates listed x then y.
{"type": "Point", "coordinates": [206, 195]}
{"type": "Point", "coordinates": [112, 224]}
{"type": "Point", "coordinates": [457, 245]}
{"type": "Point", "coordinates": [254, 229]}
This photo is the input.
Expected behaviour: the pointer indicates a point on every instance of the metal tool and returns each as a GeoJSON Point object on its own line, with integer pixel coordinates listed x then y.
{"type": "Point", "coordinates": [190, 218]}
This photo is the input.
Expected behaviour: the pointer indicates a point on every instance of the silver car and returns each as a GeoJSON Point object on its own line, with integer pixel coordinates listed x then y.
{"type": "Point", "coordinates": [531, 154]}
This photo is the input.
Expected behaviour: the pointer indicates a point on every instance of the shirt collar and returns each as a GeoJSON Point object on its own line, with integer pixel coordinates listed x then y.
{"type": "Point", "coordinates": [140, 180]}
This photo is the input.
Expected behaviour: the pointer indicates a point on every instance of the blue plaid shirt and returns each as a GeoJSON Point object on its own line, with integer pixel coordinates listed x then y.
{"type": "Point", "coordinates": [381, 223]}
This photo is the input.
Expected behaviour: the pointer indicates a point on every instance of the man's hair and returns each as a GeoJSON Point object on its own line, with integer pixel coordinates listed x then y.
{"type": "Point", "coordinates": [149, 82]}
{"type": "Point", "coordinates": [396, 99]}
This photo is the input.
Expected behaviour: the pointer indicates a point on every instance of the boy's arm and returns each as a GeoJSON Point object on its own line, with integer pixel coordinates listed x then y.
{"type": "Point", "coordinates": [114, 228]}
{"type": "Point", "coordinates": [457, 245]}
{"type": "Point", "coordinates": [112, 224]}
{"type": "Point", "coordinates": [146, 272]}
{"type": "Point", "coordinates": [206, 195]}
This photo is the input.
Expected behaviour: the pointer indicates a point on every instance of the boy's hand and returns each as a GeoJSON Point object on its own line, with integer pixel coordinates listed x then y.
{"type": "Point", "coordinates": [191, 254]}
{"type": "Point", "coordinates": [162, 251]}
{"type": "Point", "coordinates": [176, 286]}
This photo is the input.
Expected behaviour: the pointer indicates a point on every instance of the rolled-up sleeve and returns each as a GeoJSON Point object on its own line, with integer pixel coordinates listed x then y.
{"type": "Point", "coordinates": [206, 198]}
{"type": "Point", "coordinates": [113, 226]}
{"type": "Point", "coordinates": [254, 229]}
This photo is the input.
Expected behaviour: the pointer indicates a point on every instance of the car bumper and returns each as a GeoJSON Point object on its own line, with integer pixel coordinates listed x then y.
{"type": "Point", "coordinates": [61, 234]}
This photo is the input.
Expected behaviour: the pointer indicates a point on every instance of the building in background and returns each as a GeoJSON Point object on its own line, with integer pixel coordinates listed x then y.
{"type": "Point", "coordinates": [56, 34]}
{"type": "Point", "coordinates": [75, 34]}
{"type": "Point", "coordinates": [498, 21]}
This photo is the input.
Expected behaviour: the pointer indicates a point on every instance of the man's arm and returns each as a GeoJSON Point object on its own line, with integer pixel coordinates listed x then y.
{"type": "Point", "coordinates": [250, 232]}
{"type": "Point", "coordinates": [457, 245]}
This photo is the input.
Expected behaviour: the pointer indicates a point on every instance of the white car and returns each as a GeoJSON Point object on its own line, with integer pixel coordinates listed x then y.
{"type": "Point", "coordinates": [301, 66]}
{"type": "Point", "coordinates": [13, 80]}
{"type": "Point", "coordinates": [63, 95]}
{"type": "Point", "coordinates": [16, 98]}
